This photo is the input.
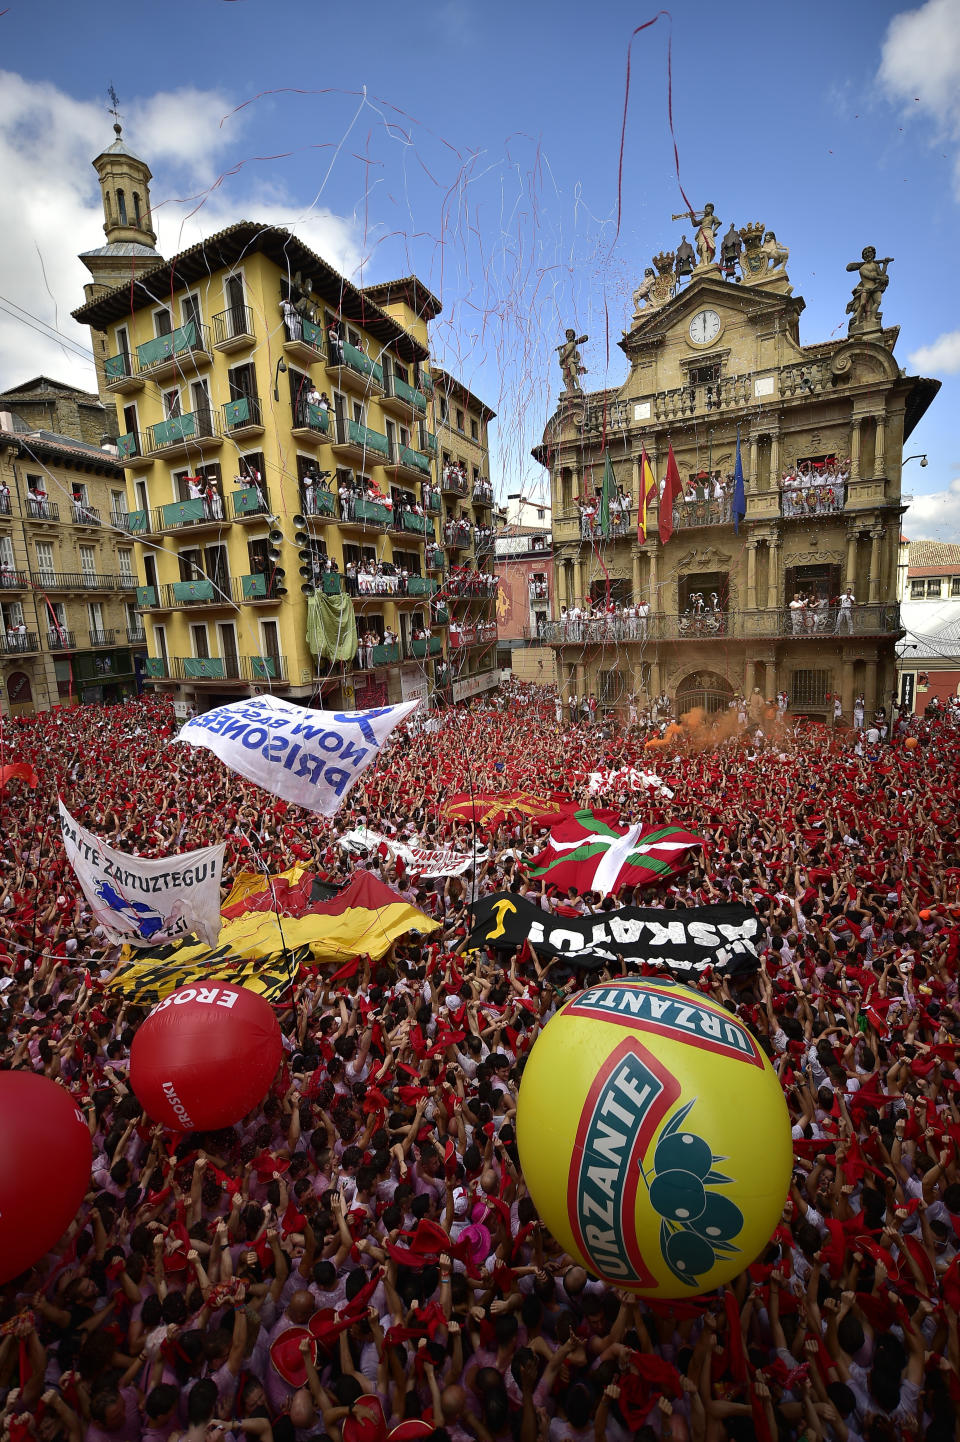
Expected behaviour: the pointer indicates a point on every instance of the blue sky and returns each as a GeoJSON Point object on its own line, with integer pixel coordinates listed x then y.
{"type": "Point", "coordinates": [479, 146]}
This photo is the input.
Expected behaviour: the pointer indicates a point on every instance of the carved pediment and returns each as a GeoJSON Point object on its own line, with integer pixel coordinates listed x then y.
{"type": "Point", "coordinates": [709, 559]}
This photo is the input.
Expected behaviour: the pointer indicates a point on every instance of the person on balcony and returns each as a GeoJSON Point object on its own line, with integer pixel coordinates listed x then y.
{"type": "Point", "coordinates": [336, 343]}
{"type": "Point", "coordinates": [291, 319]}
{"type": "Point", "coordinates": [845, 613]}
{"type": "Point", "coordinates": [859, 711]}
{"type": "Point", "coordinates": [797, 608]}
{"type": "Point", "coordinates": [213, 502]}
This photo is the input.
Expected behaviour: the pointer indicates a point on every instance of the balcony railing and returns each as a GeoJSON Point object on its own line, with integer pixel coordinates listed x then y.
{"type": "Point", "coordinates": [417, 525]}
{"type": "Point", "coordinates": [103, 638]}
{"type": "Point", "coordinates": [156, 668]}
{"type": "Point", "coordinates": [457, 535]}
{"type": "Point", "coordinates": [16, 643]}
{"type": "Point", "coordinates": [251, 501]}
{"type": "Point", "coordinates": [181, 430]}
{"type": "Point", "coordinates": [128, 446]}
{"type": "Point", "coordinates": [431, 646]}
{"type": "Point", "coordinates": [119, 367]}
{"type": "Point", "coordinates": [414, 460]}
{"type": "Point", "coordinates": [352, 433]}
{"type": "Point", "coordinates": [82, 515]}
{"type": "Point", "coordinates": [357, 511]}
{"type": "Point", "coordinates": [74, 581]}
{"type": "Point", "coordinates": [136, 635]}
{"type": "Point", "coordinates": [872, 619]}
{"type": "Point", "coordinates": [400, 390]}
{"type": "Point", "coordinates": [374, 588]}
{"type": "Point", "coordinates": [436, 560]}
{"type": "Point", "coordinates": [233, 325]}
{"type": "Point", "coordinates": [344, 354]}
{"type": "Point", "coordinates": [258, 587]}
{"type": "Point", "coordinates": [135, 523]}
{"type": "Point", "coordinates": [453, 482]}
{"type": "Point", "coordinates": [42, 510]}
{"type": "Point", "coordinates": [177, 515]}
{"type": "Point", "coordinates": [539, 590]}
{"type": "Point", "coordinates": [483, 494]}
{"type": "Point", "coordinates": [713, 511]}
{"type": "Point", "coordinates": [311, 418]}
{"type": "Point", "coordinates": [242, 415]}
{"type": "Point", "coordinates": [227, 668]}
{"type": "Point", "coordinates": [317, 501]}
{"type": "Point", "coordinates": [432, 502]}
{"type": "Point", "coordinates": [370, 656]}
{"type": "Point", "coordinates": [11, 580]}
{"type": "Point", "coordinates": [439, 616]}
{"type": "Point", "coordinates": [177, 344]}
{"type": "Point", "coordinates": [820, 498]}
{"type": "Point", "coordinates": [6, 507]}
{"type": "Point", "coordinates": [472, 587]}
{"type": "Point", "coordinates": [591, 528]}
{"type": "Point", "coordinates": [59, 639]}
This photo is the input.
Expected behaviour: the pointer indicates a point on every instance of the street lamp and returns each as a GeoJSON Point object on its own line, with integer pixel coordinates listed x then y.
{"type": "Point", "coordinates": [922, 459]}
{"type": "Point", "coordinates": [282, 366]}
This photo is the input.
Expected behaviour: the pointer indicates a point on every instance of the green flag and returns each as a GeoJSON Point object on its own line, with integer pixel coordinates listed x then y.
{"type": "Point", "coordinates": [607, 493]}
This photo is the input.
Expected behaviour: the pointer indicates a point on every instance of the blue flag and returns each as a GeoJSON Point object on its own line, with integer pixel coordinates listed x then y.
{"type": "Point", "coordinates": [739, 499]}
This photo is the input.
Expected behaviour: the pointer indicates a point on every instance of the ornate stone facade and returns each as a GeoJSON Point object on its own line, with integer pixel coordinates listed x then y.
{"type": "Point", "coordinates": [715, 353]}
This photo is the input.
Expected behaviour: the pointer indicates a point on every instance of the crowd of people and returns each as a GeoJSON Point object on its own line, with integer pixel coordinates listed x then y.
{"type": "Point", "coordinates": [815, 488]}
{"type": "Point", "coordinates": [377, 1192]}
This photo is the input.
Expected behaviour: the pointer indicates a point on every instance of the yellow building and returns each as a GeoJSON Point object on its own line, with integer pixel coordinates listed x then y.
{"type": "Point", "coordinates": [276, 427]}
{"type": "Point", "coordinates": [803, 600]}
{"type": "Point", "coordinates": [69, 628]}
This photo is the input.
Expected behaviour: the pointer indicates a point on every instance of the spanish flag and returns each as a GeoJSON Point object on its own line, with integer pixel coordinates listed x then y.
{"type": "Point", "coordinates": [648, 488]}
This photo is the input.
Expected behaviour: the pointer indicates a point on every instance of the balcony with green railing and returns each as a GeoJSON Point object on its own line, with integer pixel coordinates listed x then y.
{"type": "Point", "coordinates": [260, 587]}
{"type": "Point", "coordinates": [306, 343]}
{"type": "Point", "coordinates": [310, 422]}
{"type": "Point", "coordinates": [177, 515]}
{"type": "Point", "coordinates": [135, 523]}
{"type": "Point", "coordinates": [200, 591]}
{"type": "Point", "coordinates": [243, 417]}
{"type": "Point", "coordinates": [435, 558]}
{"type": "Point", "coordinates": [386, 655]}
{"type": "Point", "coordinates": [330, 584]}
{"type": "Point", "coordinates": [317, 501]}
{"type": "Point", "coordinates": [156, 668]}
{"type": "Point", "coordinates": [195, 430]}
{"type": "Point", "coordinates": [183, 349]}
{"type": "Point", "coordinates": [368, 513]}
{"type": "Point", "coordinates": [413, 461]}
{"type": "Point", "coordinates": [431, 647]}
{"type": "Point", "coordinates": [440, 616]}
{"type": "Point", "coordinates": [421, 586]}
{"type": "Point", "coordinates": [418, 525]}
{"type": "Point", "coordinates": [120, 374]}
{"type": "Point", "coordinates": [369, 439]}
{"type": "Point", "coordinates": [433, 503]}
{"type": "Point", "coordinates": [249, 503]}
{"type": "Point", "coordinates": [129, 447]}
{"type": "Point", "coordinates": [350, 360]}
{"type": "Point", "coordinates": [428, 441]}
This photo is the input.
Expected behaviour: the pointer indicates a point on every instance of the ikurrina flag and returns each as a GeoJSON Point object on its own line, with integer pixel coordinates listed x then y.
{"type": "Point", "coordinates": [585, 851]}
{"type": "Point", "coordinates": [490, 808]}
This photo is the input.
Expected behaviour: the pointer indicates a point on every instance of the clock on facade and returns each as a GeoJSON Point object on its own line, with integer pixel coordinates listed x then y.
{"type": "Point", "coordinates": [704, 327]}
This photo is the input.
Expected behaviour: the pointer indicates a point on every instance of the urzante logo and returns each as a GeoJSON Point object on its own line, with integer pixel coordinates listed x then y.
{"type": "Point", "coordinates": [675, 1016]}
{"type": "Point", "coordinates": [177, 1106]}
{"type": "Point", "coordinates": [623, 1109]}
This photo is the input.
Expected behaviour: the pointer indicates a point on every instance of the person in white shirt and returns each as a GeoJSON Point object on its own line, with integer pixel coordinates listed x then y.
{"type": "Point", "coordinates": [845, 616]}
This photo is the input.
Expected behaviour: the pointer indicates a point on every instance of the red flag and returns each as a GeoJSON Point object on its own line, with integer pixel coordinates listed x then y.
{"type": "Point", "coordinates": [20, 769]}
{"type": "Point", "coordinates": [672, 488]}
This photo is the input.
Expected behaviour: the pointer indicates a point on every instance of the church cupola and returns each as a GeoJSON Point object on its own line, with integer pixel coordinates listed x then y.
{"type": "Point", "coordinates": [125, 187]}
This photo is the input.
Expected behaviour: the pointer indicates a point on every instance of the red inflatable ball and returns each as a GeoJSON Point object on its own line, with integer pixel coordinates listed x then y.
{"type": "Point", "coordinates": [45, 1157]}
{"type": "Point", "coordinates": [205, 1056]}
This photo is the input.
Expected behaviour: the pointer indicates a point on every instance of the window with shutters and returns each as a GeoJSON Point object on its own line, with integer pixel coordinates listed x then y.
{"type": "Point", "coordinates": [45, 566]}
{"type": "Point", "coordinates": [88, 560]}
{"type": "Point", "coordinates": [125, 565]}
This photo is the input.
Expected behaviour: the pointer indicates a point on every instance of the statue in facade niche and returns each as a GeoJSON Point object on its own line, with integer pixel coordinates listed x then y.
{"type": "Point", "coordinates": [569, 361]}
{"type": "Point", "coordinates": [864, 306]}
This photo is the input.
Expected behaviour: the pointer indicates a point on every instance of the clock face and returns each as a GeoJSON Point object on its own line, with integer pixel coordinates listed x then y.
{"type": "Point", "coordinates": [704, 327]}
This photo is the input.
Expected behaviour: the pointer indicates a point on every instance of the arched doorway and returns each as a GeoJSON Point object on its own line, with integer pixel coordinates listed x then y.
{"type": "Point", "coordinates": [704, 689]}
{"type": "Point", "coordinates": [20, 694]}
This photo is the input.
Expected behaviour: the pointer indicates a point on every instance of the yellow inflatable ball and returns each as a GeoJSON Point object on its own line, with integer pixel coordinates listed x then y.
{"type": "Point", "coordinates": [654, 1137]}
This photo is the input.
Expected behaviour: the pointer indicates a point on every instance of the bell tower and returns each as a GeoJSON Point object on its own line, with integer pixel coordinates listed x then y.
{"type": "Point", "coordinates": [131, 239]}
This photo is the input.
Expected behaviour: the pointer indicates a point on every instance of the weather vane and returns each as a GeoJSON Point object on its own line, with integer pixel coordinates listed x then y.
{"type": "Point", "coordinates": [114, 108]}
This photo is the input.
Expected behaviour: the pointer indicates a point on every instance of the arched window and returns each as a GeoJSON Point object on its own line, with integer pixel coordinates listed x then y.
{"type": "Point", "coordinates": [122, 207]}
{"type": "Point", "coordinates": [136, 206]}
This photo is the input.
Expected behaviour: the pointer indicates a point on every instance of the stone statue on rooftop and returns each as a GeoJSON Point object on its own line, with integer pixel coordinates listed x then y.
{"type": "Point", "coordinates": [706, 236]}
{"type": "Point", "coordinates": [776, 254]}
{"type": "Point", "coordinates": [864, 306]}
{"type": "Point", "coordinates": [644, 290]}
{"type": "Point", "coordinates": [569, 361]}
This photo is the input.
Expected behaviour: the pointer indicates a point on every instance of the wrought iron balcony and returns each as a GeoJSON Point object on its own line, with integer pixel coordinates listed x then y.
{"type": "Point", "coordinates": [181, 515]}
{"type": "Point", "coordinates": [103, 638]}
{"type": "Point", "coordinates": [871, 619]}
{"type": "Point", "coordinates": [255, 669]}
{"type": "Point", "coordinates": [353, 368]}
{"type": "Point", "coordinates": [359, 443]}
{"type": "Point", "coordinates": [430, 646]}
{"type": "Point", "coordinates": [37, 510]}
{"type": "Point", "coordinates": [361, 514]}
{"type": "Point", "coordinates": [310, 422]}
{"type": "Point", "coordinates": [233, 329]}
{"type": "Point", "coordinates": [60, 639]}
{"type": "Point", "coordinates": [82, 515]}
{"type": "Point", "coordinates": [453, 482]}
{"type": "Point", "coordinates": [179, 352]}
{"type": "Point", "coordinates": [120, 374]}
{"type": "Point", "coordinates": [249, 503]}
{"type": "Point", "coordinates": [305, 341]}
{"type": "Point", "coordinates": [11, 580]}
{"type": "Point", "coordinates": [136, 635]}
{"type": "Point", "coordinates": [135, 523]}
{"type": "Point", "coordinates": [242, 417]}
{"type": "Point", "coordinates": [74, 581]}
{"type": "Point", "coordinates": [317, 502]}
{"type": "Point", "coordinates": [181, 435]}
{"type": "Point", "coordinates": [14, 642]}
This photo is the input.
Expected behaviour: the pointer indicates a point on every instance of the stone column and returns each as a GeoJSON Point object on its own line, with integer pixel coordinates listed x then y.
{"type": "Point", "coordinates": [581, 566]}
{"type": "Point", "coordinates": [774, 599]}
{"type": "Point", "coordinates": [870, 690]}
{"type": "Point", "coordinates": [637, 678]}
{"type": "Point", "coordinates": [772, 687]}
{"type": "Point", "coordinates": [636, 482]}
{"type": "Point", "coordinates": [654, 596]}
{"type": "Point", "coordinates": [846, 689]}
{"type": "Point", "coordinates": [876, 534]}
{"type": "Point", "coordinates": [561, 579]}
{"type": "Point", "coordinates": [774, 460]}
{"type": "Point", "coordinates": [636, 574]}
{"type": "Point", "coordinates": [850, 570]}
{"type": "Point", "coordinates": [656, 684]}
{"type": "Point", "coordinates": [581, 678]}
{"type": "Point", "coordinates": [880, 448]}
{"type": "Point", "coordinates": [855, 450]}
{"type": "Point", "coordinates": [751, 575]}
{"type": "Point", "coordinates": [753, 461]}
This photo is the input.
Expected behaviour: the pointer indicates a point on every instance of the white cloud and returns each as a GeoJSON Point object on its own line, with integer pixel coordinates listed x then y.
{"type": "Point", "coordinates": [920, 65]}
{"type": "Point", "coordinates": [48, 140]}
{"type": "Point", "coordinates": [942, 357]}
{"type": "Point", "coordinates": [935, 516]}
